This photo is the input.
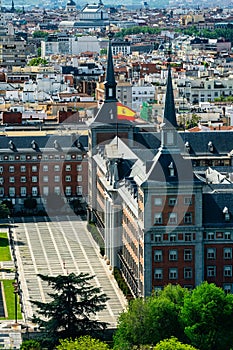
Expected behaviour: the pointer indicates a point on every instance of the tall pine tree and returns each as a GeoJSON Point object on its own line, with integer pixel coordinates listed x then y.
{"type": "Point", "coordinates": [71, 311]}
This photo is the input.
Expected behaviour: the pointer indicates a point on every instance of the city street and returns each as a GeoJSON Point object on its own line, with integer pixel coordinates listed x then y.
{"type": "Point", "coordinates": [61, 245]}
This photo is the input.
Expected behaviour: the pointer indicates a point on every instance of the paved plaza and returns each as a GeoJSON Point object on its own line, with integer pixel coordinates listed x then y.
{"type": "Point", "coordinates": [61, 245]}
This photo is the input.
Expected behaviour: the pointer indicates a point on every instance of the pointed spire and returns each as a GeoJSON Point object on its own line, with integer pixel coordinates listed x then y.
{"type": "Point", "coordinates": [110, 83]}
{"type": "Point", "coordinates": [169, 110]}
{"type": "Point", "coordinates": [12, 6]}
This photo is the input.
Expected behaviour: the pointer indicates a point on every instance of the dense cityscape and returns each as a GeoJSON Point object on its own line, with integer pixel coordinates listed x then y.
{"type": "Point", "coordinates": [116, 180]}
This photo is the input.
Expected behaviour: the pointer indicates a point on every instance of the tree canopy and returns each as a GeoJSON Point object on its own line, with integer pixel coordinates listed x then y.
{"type": "Point", "coordinates": [70, 312]}
{"type": "Point", "coordinates": [201, 318]}
{"type": "Point", "coordinates": [37, 61]}
{"type": "Point", "coordinates": [4, 211]}
{"type": "Point", "coordinates": [207, 316]}
{"type": "Point", "coordinates": [82, 343]}
{"type": "Point", "coordinates": [40, 34]}
{"type": "Point", "coordinates": [174, 344]}
{"type": "Point", "coordinates": [151, 320]}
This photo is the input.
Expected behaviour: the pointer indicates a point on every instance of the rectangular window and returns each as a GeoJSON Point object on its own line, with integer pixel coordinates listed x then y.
{"type": "Point", "coordinates": [227, 235]}
{"type": "Point", "coordinates": [79, 178]}
{"type": "Point", "coordinates": [187, 200]}
{"type": "Point", "coordinates": [188, 255]}
{"type": "Point", "coordinates": [79, 157]}
{"type": "Point", "coordinates": [1, 191]}
{"type": "Point", "coordinates": [158, 201]}
{"type": "Point", "coordinates": [23, 168]}
{"type": "Point", "coordinates": [45, 190]}
{"type": "Point", "coordinates": [211, 253]}
{"type": "Point", "coordinates": [227, 288]}
{"type": "Point", "coordinates": [227, 253]}
{"type": "Point", "coordinates": [158, 255]}
{"type": "Point", "coordinates": [34, 178]}
{"type": "Point", "coordinates": [158, 218]}
{"type": "Point", "coordinates": [45, 168]}
{"type": "Point", "coordinates": [173, 255]}
{"type": "Point", "coordinates": [172, 202]}
{"type": "Point", "coordinates": [45, 178]}
{"type": "Point", "coordinates": [172, 218]}
{"type": "Point", "coordinates": [57, 190]}
{"type": "Point", "coordinates": [23, 179]}
{"type": "Point", "coordinates": [68, 178]}
{"type": "Point", "coordinates": [11, 191]}
{"type": "Point", "coordinates": [56, 167]}
{"type": "Point", "coordinates": [68, 190]}
{"type": "Point", "coordinates": [34, 168]}
{"type": "Point", "coordinates": [211, 271]}
{"type": "Point", "coordinates": [188, 237]}
{"type": "Point", "coordinates": [11, 179]}
{"type": "Point", "coordinates": [210, 236]}
{"type": "Point", "coordinates": [23, 157]}
{"type": "Point", "coordinates": [11, 158]}
{"type": "Point", "coordinates": [188, 272]}
{"type": "Point", "coordinates": [1, 180]}
{"type": "Point", "coordinates": [79, 190]}
{"type": "Point", "coordinates": [79, 167]}
{"type": "Point", "coordinates": [158, 274]}
{"type": "Point", "coordinates": [34, 191]}
{"type": "Point", "coordinates": [158, 238]}
{"type": "Point", "coordinates": [188, 218]}
{"type": "Point", "coordinates": [68, 167]}
{"type": "Point", "coordinates": [23, 191]}
{"type": "Point", "coordinates": [11, 169]}
{"type": "Point", "coordinates": [1, 169]}
{"type": "Point", "coordinates": [227, 271]}
{"type": "Point", "coordinates": [173, 273]}
{"type": "Point", "coordinates": [56, 178]}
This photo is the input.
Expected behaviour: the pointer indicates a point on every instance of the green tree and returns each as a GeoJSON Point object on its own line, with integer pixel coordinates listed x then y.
{"type": "Point", "coordinates": [40, 34]}
{"type": "Point", "coordinates": [82, 343]}
{"type": "Point", "coordinates": [70, 312]}
{"type": "Point", "coordinates": [172, 344]}
{"type": "Point", "coordinates": [30, 345]}
{"type": "Point", "coordinates": [151, 320]}
{"type": "Point", "coordinates": [37, 61]}
{"type": "Point", "coordinates": [207, 317]}
{"type": "Point", "coordinates": [4, 211]}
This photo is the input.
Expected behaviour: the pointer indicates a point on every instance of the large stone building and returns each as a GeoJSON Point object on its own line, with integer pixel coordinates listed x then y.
{"type": "Point", "coordinates": [162, 200]}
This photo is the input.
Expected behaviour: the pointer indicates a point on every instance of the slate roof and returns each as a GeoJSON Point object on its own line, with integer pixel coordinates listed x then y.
{"type": "Point", "coordinates": [213, 205]}
{"type": "Point", "coordinates": [159, 169]}
{"type": "Point", "coordinates": [43, 142]}
{"type": "Point", "coordinates": [222, 142]}
{"type": "Point", "coordinates": [198, 142]}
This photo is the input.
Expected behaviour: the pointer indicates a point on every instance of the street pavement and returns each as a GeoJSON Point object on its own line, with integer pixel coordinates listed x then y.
{"type": "Point", "coordinates": [61, 245]}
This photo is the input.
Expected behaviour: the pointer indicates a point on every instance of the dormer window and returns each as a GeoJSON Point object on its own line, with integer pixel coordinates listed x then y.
{"type": "Point", "coordinates": [187, 146]}
{"type": "Point", "coordinates": [56, 144]}
{"type": "Point", "coordinates": [226, 213]}
{"type": "Point", "coordinates": [210, 146]}
{"type": "Point", "coordinates": [34, 144]}
{"type": "Point", "coordinates": [171, 169]}
{"type": "Point", "coordinates": [11, 145]}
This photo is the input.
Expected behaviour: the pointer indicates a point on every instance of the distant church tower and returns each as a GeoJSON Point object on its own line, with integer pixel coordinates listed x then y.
{"type": "Point", "coordinates": [12, 7]}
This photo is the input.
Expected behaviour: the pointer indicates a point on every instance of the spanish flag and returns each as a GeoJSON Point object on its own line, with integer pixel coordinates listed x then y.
{"type": "Point", "coordinates": [125, 113]}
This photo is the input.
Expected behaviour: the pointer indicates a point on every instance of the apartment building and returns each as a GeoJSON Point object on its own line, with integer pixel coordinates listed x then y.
{"type": "Point", "coordinates": [39, 166]}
